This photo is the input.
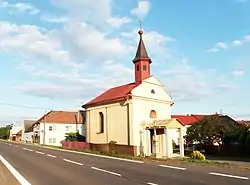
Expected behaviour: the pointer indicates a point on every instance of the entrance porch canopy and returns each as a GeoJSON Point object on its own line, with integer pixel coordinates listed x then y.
{"type": "Point", "coordinates": [162, 124]}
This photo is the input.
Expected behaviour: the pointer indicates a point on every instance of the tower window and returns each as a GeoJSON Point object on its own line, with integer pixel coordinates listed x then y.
{"type": "Point", "coordinates": [144, 68]}
{"type": "Point", "coordinates": [137, 67]}
{"type": "Point", "coordinates": [101, 123]}
{"type": "Point", "coordinates": [153, 91]}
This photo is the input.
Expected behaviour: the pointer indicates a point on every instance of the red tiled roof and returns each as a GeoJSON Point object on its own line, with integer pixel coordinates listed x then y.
{"type": "Point", "coordinates": [61, 117]}
{"type": "Point", "coordinates": [113, 94]}
{"type": "Point", "coordinates": [188, 119]}
{"type": "Point", "coordinates": [247, 123]}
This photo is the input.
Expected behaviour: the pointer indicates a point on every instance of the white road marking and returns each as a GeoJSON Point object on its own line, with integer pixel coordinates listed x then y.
{"type": "Point", "coordinates": [172, 167]}
{"type": "Point", "coordinates": [106, 171]}
{"type": "Point", "coordinates": [231, 176]}
{"type": "Point", "coordinates": [16, 146]}
{"type": "Point", "coordinates": [150, 183]}
{"type": "Point", "coordinates": [10, 144]}
{"type": "Point", "coordinates": [73, 162]}
{"type": "Point", "coordinates": [28, 149]}
{"type": "Point", "coordinates": [51, 156]}
{"type": "Point", "coordinates": [39, 152]}
{"type": "Point", "coordinates": [14, 172]}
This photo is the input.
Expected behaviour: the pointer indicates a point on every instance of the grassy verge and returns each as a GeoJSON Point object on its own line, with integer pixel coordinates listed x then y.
{"type": "Point", "coordinates": [173, 161]}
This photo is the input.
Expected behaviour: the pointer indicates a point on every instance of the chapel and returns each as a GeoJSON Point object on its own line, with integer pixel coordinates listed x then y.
{"type": "Point", "coordinates": [134, 118]}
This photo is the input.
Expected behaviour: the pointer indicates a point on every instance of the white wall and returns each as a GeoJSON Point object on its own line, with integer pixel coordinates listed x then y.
{"type": "Point", "coordinates": [57, 134]}
{"type": "Point", "coordinates": [15, 129]}
{"type": "Point", "coordinates": [144, 101]}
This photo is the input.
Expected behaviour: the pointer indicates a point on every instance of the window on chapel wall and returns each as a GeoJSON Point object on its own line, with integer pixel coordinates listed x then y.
{"type": "Point", "coordinates": [153, 114]}
{"type": "Point", "coordinates": [101, 122]}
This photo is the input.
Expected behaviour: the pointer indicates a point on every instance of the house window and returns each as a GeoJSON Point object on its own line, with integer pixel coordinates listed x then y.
{"type": "Point", "coordinates": [54, 140]}
{"type": "Point", "coordinates": [101, 122]}
{"type": "Point", "coordinates": [144, 68]}
{"type": "Point", "coordinates": [153, 114]}
{"type": "Point", "coordinates": [50, 128]}
{"type": "Point", "coordinates": [153, 91]}
{"type": "Point", "coordinates": [138, 67]}
{"type": "Point", "coordinates": [50, 140]}
{"type": "Point", "coordinates": [68, 128]}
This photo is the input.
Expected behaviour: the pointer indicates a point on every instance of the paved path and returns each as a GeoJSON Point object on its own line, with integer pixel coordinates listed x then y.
{"type": "Point", "coordinates": [43, 166]}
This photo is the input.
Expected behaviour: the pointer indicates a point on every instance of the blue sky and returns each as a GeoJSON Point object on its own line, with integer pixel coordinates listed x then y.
{"type": "Point", "coordinates": [58, 54]}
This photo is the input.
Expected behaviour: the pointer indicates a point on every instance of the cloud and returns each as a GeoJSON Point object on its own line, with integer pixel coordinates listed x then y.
{"type": "Point", "coordinates": [118, 21]}
{"type": "Point", "coordinates": [54, 19]}
{"type": "Point", "coordinates": [238, 73]}
{"type": "Point", "coordinates": [223, 45]}
{"type": "Point", "coordinates": [87, 54]}
{"type": "Point", "coordinates": [20, 7]}
{"type": "Point", "coordinates": [100, 15]}
{"type": "Point", "coordinates": [142, 9]}
{"type": "Point", "coordinates": [188, 83]}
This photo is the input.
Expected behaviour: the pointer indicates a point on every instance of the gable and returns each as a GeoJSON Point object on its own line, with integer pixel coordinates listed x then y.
{"type": "Point", "coordinates": [153, 80]}
{"type": "Point", "coordinates": [152, 88]}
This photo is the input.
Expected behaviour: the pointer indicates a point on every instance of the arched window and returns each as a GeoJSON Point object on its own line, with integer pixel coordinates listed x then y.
{"type": "Point", "coordinates": [101, 122]}
{"type": "Point", "coordinates": [153, 114]}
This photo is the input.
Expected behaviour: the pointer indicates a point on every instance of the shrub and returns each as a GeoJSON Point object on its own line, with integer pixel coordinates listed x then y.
{"type": "Point", "coordinates": [198, 156]}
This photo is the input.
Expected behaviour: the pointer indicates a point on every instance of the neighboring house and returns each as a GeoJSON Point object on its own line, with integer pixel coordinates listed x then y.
{"type": "Point", "coordinates": [134, 118]}
{"type": "Point", "coordinates": [51, 128]}
{"type": "Point", "coordinates": [245, 122]}
{"type": "Point", "coordinates": [27, 131]}
{"type": "Point", "coordinates": [190, 119]}
{"type": "Point", "coordinates": [187, 121]}
{"type": "Point", "coordinates": [16, 132]}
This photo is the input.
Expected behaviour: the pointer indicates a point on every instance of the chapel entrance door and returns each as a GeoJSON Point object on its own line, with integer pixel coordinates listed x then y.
{"type": "Point", "coordinates": [156, 142]}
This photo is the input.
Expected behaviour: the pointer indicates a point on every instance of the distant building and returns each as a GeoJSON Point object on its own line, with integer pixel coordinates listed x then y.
{"type": "Point", "coordinates": [190, 119]}
{"type": "Point", "coordinates": [27, 131]}
{"type": "Point", "coordinates": [16, 132]}
{"type": "Point", "coordinates": [51, 128]}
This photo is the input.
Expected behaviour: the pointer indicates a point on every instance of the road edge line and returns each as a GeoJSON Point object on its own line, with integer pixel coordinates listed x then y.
{"type": "Point", "coordinates": [85, 153]}
{"type": "Point", "coordinates": [96, 155]}
{"type": "Point", "coordinates": [14, 172]}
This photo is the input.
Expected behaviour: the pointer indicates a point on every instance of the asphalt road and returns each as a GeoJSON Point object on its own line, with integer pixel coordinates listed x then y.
{"type": "Point", "coordinates": [43, 166]}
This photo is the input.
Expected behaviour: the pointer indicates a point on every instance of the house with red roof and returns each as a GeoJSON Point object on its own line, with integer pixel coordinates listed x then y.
{"type": "Point", "coordinates": [134, 118]}
{"type": "Point", "coordinates": [190, 119]}
{"type": "Point", "coordinates": [51, 128]}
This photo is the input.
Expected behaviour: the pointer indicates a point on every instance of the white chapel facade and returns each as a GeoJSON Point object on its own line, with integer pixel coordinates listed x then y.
{"type": "Point", "coordinates": [134, 118]}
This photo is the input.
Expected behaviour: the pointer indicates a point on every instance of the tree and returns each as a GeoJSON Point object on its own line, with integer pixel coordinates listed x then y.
{"type": "Point", "coordinates": [214, 129]}
{"type": "Point", "coordinates": [5, 131]}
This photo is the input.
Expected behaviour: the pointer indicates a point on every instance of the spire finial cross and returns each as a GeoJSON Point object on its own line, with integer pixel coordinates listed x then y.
{"type": "Point", "coordinates": [140, 24]}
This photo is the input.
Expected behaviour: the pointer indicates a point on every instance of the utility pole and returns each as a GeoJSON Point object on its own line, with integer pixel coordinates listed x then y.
{"type": "Point", "coordinates": [44, 121]}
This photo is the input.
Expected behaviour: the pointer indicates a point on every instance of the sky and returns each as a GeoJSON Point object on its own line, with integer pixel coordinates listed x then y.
{"type": "Point", "coordinates": [59, 54]}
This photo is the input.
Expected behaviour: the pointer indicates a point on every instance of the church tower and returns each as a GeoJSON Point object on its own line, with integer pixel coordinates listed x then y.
{"type": "Point", "coordinates": [141, 61]}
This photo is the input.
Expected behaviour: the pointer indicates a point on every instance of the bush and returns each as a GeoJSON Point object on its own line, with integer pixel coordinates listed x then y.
{"type": "Point", "coordinates": [198, 156]}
